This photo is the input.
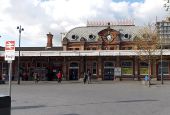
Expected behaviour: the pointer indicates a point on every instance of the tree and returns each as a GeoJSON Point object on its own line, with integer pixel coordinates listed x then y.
{"type": "Point", "coordinates": [148, 45]}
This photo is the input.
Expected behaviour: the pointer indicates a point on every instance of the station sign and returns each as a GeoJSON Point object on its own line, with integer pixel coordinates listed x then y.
{"type": "Point", "coordinates": [117, 71]}
{"type": "Point", "coordinates": [9, 50]}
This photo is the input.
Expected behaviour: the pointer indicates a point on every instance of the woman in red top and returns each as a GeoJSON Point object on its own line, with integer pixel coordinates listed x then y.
{"type": "Point", "coordinates": [59, 76]}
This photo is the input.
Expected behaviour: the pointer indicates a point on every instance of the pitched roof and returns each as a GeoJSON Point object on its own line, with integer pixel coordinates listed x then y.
{"type": "Point", "coordinates": [84, 32]}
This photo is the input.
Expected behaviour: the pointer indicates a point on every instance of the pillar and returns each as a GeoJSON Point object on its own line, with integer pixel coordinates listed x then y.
{"type": "Point", "coordinates": [99, 77]}
{"type": "Point", "coordinates": [64, 68]}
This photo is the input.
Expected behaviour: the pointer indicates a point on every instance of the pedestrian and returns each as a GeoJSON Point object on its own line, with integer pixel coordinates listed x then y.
{"type": "Point", "coordinates": [59, 77]}
{"type": "Point", "coordinates": [36, 78]}
{"type": "Point", "coordinates": [146, 80]}
{"type": "Point", "coordinates": [88, 76]}
{"type": "Point", "coordinates": [85, 78]}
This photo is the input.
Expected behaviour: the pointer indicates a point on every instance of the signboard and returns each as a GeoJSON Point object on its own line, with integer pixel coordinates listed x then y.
{"type": "Point", "coordinates": [117, 71]}
{"type": "Point", "coordinates": [9, 50]}
{"type": "Point", "coordinates": [127, 71]}
{"type": "Point", "coordinates": [143, 70]}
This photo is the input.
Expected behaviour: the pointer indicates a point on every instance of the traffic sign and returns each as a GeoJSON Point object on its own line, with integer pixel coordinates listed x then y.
{"type": "Point", "coordinates": [9, 50]}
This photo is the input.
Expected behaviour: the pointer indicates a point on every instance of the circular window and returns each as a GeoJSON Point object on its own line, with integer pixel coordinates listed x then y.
{"type": "Point", "coordinates": [75, 37]}
{"type": "Point", "coordinates": [92, 37]}
{"type": "Point", "coordinates": [126, 35]}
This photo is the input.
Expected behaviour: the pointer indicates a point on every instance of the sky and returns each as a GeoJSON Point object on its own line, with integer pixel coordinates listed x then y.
{"type": "Point", "coordinates": [39, 17]}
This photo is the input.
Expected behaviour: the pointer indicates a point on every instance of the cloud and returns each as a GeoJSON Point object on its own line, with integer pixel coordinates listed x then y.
{"type": "Point", "coordinates": [146, 12]}
{"type": "Point", "coordinates": [38, 17]}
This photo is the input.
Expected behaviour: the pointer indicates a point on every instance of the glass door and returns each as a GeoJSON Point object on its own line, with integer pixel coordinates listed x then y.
{"type": "Point", "coordinates": [74, 71]}
{"type": "Point", "coordinates": [108, 70]}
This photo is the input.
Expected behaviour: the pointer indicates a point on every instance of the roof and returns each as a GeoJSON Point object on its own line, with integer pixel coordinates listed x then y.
{"type": "Point", "coordinates": [84, 32]}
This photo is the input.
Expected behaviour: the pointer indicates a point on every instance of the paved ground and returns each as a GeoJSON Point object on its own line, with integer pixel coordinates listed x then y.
{"type": "Point", "coordinates": [98, 98]}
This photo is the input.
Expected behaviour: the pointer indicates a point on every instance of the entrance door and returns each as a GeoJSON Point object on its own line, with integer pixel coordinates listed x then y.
{"type": "Point", "coordinates": [73, 74]}
{"type": "Point", "coordinates": [108, 71]}
{"type": "Point", "coordinates": [73, 71]}
{"type": "Point", "coordinates": [92, 68]}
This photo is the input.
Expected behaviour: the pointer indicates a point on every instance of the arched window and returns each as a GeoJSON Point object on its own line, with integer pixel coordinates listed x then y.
{"type": "Point", "coordinates": [73, 64]}
{"type": "Point", "coordinates": [108, 64]}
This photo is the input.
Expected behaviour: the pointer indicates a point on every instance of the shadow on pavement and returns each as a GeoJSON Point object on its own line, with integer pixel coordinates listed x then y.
{"type": "Point", "coordinates": [27, 107]}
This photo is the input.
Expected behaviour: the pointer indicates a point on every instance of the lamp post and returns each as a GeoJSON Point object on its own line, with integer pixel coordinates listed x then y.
{"type": "Point", "coordinates": [162, 36]}
{"type": "Point", "coordinates": [161, 64]}
{"type": "Point", "coordinates": [20, 30]}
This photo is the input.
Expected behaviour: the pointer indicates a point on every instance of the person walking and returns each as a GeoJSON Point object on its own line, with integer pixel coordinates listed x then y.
{"type": "Point", "coordinates": [147, 80]}
{"type": "Point", "coordinates": [88, 76]}
{"type": "Point", "coordinates": [85, 78]}
{"type": "Point", "coordinates": [36, 78]}
{"type": "Point", "coordinates": [59, 77]}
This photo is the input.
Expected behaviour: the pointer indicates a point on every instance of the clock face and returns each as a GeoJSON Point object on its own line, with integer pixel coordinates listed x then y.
{"type": "Point", "coordinates": [109, 37]}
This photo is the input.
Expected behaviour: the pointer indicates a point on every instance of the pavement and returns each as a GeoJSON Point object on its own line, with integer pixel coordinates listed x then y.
{"type": "Point", "coordinates": [98, 98]}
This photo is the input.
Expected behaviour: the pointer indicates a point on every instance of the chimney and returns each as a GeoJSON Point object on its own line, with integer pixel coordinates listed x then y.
{"type": "Point", "coordinates": [49, 40]}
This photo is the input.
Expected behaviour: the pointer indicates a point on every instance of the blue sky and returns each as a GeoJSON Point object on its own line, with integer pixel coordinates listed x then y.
{"type": "Point", "coordinates": [39, 17]}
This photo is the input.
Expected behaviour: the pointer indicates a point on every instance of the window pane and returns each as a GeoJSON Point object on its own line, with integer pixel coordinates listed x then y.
{"type": "Point", "coordinates": [165, 68]}
{"type": "Point", "coordinates": [74, 64]}
{"type": "Point", "coordinates": [126, 64]}
{"type": "Point", "coordinates": [94, 64]}
{"type": "Point", "coordinates": [108, 64]}
{"type": "Point", "coordinates": [143, 64]}
{"type": "Point", "coordinates": [94, 71]}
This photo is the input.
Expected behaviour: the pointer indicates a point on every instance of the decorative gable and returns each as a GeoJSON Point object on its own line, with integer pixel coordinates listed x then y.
{"type": "Point", "coordinates": [109, 35]}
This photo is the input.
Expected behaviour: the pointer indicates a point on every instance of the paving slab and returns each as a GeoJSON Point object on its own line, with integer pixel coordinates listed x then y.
{"type": "Point", "coordinates": [97, 98]}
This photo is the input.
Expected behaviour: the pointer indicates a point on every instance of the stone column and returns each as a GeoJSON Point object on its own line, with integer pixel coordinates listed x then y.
{"type": "Point", "coordinates": [154, 69]}
{"type": "Point", "coordinates": [100, 69]}
{"type": "Point", "coordinates": [136, 68]}
{"type": "Point", "coordinates": [118, 65]}
{"type": "Point", "coordinates": [64, 68]}
{"type": "Point", "coordinates": [82, 68]}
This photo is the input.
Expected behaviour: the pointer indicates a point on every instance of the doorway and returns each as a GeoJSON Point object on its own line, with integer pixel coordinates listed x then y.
{"type": "Point", "coordinates": [73, 74]}
{"type": "Point", "coordinates": [73, 71]}
{"type": "Point", "coordinates": [108, 70]}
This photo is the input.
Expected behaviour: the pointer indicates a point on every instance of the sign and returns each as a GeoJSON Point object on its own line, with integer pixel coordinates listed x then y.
{"type": "Point", "coordinates": [127, 70]}
{"type": "Point", "coordinates": [9, 50]}
{"type": "Point", "coordinates": [117, 71]}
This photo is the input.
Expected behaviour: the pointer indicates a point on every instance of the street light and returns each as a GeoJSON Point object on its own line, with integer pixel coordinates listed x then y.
{"type": "Point", "coordinates": [161, 33]}
{"type": "Point", "coordinates": [20, 30]}
{"type": "Point", "coordinates": [161, 64]}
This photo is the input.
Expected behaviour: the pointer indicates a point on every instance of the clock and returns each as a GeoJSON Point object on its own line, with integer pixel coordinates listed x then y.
{"type": "Point", "coordinates": [109, 37]}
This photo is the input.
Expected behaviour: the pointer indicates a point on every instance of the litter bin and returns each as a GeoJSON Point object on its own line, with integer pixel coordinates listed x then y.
{"type": "Point", "coordinates": [5, 105]}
